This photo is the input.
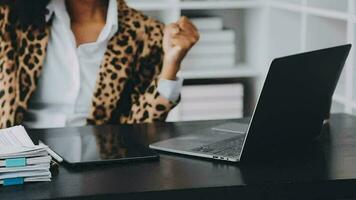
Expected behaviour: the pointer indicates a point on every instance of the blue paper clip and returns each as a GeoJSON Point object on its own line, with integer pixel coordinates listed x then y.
{"type": "Point", "coordinates": [13, 181]}
{"type": "Point", "coordinates": [15, 162]}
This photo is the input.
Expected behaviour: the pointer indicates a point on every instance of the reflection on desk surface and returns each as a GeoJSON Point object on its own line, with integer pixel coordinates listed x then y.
{"type": "Point", "coordinates": [92, 144]}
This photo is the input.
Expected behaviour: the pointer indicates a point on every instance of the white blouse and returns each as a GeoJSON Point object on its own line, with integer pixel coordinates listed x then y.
{"type": "Point", "coordinates": [66, 86]}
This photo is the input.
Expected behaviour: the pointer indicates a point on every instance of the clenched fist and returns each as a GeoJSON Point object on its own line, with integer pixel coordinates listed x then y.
{"type": "Point", "coordinates": [178, 39]}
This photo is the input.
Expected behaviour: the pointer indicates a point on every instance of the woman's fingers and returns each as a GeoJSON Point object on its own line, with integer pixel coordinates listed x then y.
{"type": "Point", "coordinates": [183, 41]}
{"type": "Point", "coordinates": [187, 26]}
{"type": "Point", "coordinates": [172, 29]}
{"type": "Point", "coordinates": [182, 34]}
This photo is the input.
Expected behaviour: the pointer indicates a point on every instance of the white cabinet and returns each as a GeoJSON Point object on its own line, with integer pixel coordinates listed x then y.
{"type": "Point", "coordinates": [321, 23]}
{"type": "Point", "coordinates": [265, 29]}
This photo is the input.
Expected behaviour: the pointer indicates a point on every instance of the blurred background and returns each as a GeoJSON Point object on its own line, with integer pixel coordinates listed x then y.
{"type": "Point", "coordinates": [224, 72]}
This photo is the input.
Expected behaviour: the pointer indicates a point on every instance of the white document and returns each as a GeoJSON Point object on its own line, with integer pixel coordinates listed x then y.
{"type": "Point", "coordinates": [7, 152]}
{"type": "Point", "coordinates": [35, 173]}
{"type": "Point", "coordinates": [32, 160]}
{"type": "Point", "coordinates": [33, 179]}
{"type": "Point", "coordinates": [15, 136]}
{"type": "Point", "coordinates": [15, 143]}
{"type": "Point", "coordinates": [28, 168]}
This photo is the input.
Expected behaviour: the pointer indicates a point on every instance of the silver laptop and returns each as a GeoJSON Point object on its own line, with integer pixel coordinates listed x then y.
{"type": "Point", "coordinates": [292, 106]}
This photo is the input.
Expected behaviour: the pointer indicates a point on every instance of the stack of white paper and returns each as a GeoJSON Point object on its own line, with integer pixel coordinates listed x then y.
{"type": "Point", "coordinates": [216, 47]}
{"type": "Point", "coordinates": [20, 160]}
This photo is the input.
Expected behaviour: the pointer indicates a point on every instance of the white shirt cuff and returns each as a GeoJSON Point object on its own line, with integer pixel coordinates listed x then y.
{"type": "Point", "coordinates": [170, 89]}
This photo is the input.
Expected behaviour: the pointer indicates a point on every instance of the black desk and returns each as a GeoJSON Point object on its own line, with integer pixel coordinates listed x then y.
{"type": "Point", "coordinates": [329, 172]}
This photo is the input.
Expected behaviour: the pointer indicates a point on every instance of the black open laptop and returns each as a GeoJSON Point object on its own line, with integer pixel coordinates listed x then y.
{"type": "Point", "coordinates": [292, 106]}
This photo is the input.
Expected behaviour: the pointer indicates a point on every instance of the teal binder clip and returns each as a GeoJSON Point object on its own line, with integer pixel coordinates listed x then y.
{"type": "Point", "coordinates": [15, 162]}
{"type": "Point", "coordinates": [13, 181]}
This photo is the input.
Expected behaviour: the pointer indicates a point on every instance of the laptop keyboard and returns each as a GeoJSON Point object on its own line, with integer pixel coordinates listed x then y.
{"type": "Point", "coordinates": [230, 147]}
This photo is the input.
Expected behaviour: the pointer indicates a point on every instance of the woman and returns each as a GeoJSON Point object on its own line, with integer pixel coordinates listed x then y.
{"type": "Point", "coordinates": [73, 62]}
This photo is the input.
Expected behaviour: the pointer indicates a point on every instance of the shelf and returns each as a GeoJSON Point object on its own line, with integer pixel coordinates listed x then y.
{"type": "Point", "coordinates": [152, 5]}
{"type": "Point", "coordinates": [235, 72]}
{"type": "Point", "coordinates": [157, 5]}
{"type": "Point", "coordinates": [190, 5]}
{"type": "Point", "coordinates": [321, 12]}
{"type": "Point", "coordinates": [199, 5]}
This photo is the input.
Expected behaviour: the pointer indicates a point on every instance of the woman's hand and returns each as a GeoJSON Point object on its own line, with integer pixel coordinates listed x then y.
{"type": "Point", "coordinates": [178, 39]}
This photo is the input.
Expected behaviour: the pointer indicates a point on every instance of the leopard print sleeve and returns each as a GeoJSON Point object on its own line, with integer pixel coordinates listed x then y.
{"type": "Point", "coordinates": [148, 104]}
{"type": "Point", "coordinates": [7, 71]}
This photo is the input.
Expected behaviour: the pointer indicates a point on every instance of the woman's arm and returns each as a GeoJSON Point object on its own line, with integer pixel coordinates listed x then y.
{"type": "Point", "coordinates": [162, 53]}
{"type": "Point", "coordinates": [7, 74]}
{"type": "Point", "coordinates": [178, 39]}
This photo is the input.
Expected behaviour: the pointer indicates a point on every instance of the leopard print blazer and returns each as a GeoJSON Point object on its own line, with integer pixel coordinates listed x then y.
{"type": "Point", "coordinates": [126, 86]}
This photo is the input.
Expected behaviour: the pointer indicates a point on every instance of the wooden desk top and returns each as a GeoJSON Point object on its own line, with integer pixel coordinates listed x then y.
{"type": "Point", "coordinates": [328, 171]}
